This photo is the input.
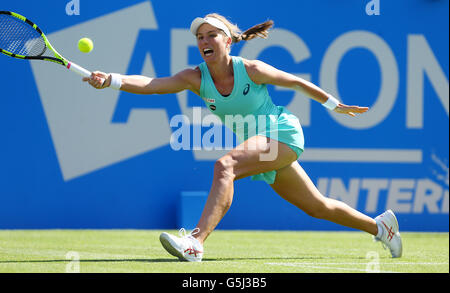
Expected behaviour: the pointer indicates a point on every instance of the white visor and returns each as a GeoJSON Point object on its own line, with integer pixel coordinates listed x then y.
{"type": "Point", "coordinates": [210, 20]}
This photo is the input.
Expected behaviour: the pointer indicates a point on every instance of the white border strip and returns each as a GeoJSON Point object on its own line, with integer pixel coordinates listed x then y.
{"type": "Point", "coordinates": [412, 156]}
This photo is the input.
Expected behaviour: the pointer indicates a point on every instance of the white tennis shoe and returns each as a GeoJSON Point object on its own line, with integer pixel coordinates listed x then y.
{"type": "Point", "coordinates": [185, 247]}
{"type": "Point", "coordinates": [390, 236]}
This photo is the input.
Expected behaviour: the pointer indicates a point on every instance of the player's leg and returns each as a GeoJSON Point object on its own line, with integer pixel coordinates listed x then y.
{"type": "Point", "coordinates": [257, 155]}
{"type": "Point", "coordinates": [294, 185]}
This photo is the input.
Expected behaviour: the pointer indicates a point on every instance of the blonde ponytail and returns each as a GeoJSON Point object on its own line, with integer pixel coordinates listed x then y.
{"type": "Point", "coordinates": [260, 30]}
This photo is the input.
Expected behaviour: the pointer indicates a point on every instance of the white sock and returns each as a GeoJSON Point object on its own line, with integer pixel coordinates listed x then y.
{"type": "Point", "coordinates": [380, 231]}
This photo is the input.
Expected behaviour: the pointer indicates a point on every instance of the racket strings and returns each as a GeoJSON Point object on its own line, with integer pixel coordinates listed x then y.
{"type": "Point", "coordinates": [18, 37]}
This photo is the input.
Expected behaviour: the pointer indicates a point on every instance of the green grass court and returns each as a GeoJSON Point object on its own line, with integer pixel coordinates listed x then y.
{"type": "Point", "coordinates": [139, 251]}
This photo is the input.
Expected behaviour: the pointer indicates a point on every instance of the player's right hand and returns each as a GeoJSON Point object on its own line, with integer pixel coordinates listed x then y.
{"type": "Point", "coordinates": [98, 80]}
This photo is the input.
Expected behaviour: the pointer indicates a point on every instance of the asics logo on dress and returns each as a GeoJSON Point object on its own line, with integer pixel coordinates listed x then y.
{"type": "Point", "coordinates": [246, 89]}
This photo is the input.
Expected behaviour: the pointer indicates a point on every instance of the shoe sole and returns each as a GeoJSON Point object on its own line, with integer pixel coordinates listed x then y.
{"type": "Point", "coordinates": [168, 245]}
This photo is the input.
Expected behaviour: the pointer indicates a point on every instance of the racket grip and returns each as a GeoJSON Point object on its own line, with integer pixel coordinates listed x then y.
{"type": "Point", "coordinates": [78, 69]}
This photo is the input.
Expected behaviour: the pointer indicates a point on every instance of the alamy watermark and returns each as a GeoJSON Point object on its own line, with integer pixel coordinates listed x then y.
{"type": "Point", "coordinates": [73, 7]}
{"type": "Point", "coordinates": [373, 7]}
{"type": "Point", "coordinates": [373, 265]}
{"type": "Point", "coordinates": [74, 264]}
{"type": "Point", "coordinates": [244, 127]}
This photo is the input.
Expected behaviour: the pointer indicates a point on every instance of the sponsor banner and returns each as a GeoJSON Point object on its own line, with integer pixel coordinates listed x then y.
{"type": "Point", "coordinates": [75, 157]}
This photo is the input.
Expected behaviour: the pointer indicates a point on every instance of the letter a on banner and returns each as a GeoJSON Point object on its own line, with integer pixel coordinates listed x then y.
{"type": "Point", "coordinates": [73, 7]}
{"type": "Point", "coordinates": [373, 7]}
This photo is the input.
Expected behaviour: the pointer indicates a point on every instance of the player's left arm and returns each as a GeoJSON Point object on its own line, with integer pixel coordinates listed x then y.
{"type": "Point", "coordinates": [263, 73]}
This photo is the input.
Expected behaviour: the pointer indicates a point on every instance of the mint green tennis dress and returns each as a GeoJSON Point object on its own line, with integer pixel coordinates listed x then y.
{"type": "Point", "coordinates": [249, 111]}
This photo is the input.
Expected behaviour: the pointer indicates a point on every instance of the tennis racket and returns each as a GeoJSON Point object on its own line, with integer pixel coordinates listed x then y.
{"type": "Point", "coordinates": [20, 38]}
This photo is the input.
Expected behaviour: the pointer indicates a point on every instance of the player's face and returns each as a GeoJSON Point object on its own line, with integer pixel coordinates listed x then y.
{"type": "Point", "coordinates": [212, 42]}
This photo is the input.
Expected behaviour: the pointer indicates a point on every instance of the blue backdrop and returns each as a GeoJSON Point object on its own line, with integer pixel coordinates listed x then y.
{"type": "Point", "coordinates": [75, 157]}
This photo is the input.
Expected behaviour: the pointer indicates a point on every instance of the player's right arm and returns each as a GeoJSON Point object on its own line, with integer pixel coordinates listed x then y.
{"type": "Point", "coordinates": [188, 79]}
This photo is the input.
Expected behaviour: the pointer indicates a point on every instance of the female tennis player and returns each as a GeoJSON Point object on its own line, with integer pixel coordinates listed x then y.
{"type": "Point", "coordinates": [233, 86]}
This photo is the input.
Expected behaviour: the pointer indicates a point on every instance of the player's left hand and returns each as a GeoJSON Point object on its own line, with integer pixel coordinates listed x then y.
{"type": "Point", "coordinates": [350, 110]}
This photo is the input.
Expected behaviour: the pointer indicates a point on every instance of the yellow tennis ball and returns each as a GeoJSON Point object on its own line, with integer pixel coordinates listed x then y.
{"type": "Point", "coordinates": [85, 45]}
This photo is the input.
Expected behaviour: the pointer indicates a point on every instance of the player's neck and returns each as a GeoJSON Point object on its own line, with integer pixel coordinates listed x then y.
{"type": "Point", "coordinates": [221, 69]}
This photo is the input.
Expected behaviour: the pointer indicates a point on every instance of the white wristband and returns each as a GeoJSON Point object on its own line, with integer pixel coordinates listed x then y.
{"type": "Point", "coordinates": [116, 81]}
{"type": "Point", "coordinates": [331, 103]}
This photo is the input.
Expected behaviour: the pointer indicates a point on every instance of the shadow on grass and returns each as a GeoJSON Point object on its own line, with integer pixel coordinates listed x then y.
{"type": "Point", "coordinates": [88, 260]}
{"type": "Point", "coordinates": [278, 258]}
{"type": "Point", "coordinates": [166, 260]}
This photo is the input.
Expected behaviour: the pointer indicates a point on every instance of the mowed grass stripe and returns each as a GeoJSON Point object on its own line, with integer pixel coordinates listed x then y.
{"type": "Point", "coordinates": [129, 251]}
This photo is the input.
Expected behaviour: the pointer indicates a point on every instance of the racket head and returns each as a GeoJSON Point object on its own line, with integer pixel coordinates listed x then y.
{"type": "Point", "coordinates": [21, 38]}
